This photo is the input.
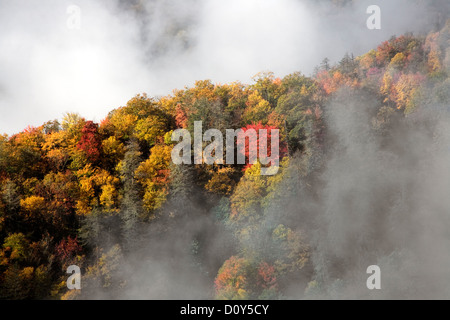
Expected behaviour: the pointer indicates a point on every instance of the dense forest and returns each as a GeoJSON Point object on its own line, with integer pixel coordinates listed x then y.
{"type": "Point", "coordinates": [363, 180]}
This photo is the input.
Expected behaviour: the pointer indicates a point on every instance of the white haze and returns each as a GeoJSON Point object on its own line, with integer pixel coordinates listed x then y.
{"type": "Point", "coordinates": [47, 69]}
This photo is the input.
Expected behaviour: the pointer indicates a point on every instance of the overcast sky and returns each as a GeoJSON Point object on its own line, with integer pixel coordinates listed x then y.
{"type": "Point", "coordinates": [47, 68]}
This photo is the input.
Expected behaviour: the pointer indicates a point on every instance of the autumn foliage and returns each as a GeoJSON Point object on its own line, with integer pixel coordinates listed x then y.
{"type": "Point", "coordinates": [266, 144]}
{"type": "Point", "coordinates": [76, 192]}
{"type": "Point", "coordinates": [90, 142]}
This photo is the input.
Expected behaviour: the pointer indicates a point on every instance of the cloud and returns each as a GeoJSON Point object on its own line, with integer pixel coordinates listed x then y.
{"type": "Point", "coordinates": [49, 69]}
{"type": "Point", "coordinates": [384, 202]}
{"type": "Point", "coordinates": [157, 46]}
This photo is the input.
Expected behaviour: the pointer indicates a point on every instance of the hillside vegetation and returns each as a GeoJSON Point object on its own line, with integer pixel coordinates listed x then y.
{"type": "Point", "coordinates": [363, 180]}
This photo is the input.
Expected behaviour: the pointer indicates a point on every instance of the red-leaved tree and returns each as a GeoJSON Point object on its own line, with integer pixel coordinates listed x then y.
{"type": "Point", "coordinates": [281, 145]}
{"type": "Point", "coordinates": [90, 142]}
{"type": "Point", "coordinates": [67, 250]}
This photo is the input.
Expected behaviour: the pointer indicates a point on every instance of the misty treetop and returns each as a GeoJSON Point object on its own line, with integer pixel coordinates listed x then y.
{"type": "Point", "coordinates": [363, 180]}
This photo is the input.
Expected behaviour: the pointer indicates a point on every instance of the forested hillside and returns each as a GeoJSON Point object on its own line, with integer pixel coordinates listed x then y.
{"type": "Point", "coordinates": [364, 179]}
